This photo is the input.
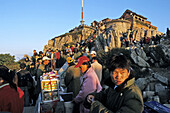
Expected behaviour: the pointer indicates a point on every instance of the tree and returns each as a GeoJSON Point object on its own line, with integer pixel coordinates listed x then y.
{"type": "Point", "coordinates": [9, 61]}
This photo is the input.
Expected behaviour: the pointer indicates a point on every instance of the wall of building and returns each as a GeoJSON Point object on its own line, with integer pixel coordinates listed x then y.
{"type": "Point", "coordinates": [121, 25]}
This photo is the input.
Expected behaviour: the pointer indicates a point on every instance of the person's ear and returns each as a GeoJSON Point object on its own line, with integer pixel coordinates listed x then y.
{"type": "Point", "coordinates": [129, 72]}
{"type": "Point", "coordinates": [1, 80]}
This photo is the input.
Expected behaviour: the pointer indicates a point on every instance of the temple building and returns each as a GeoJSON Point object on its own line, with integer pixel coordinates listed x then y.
{"type": "Point", "coordinates": [128, 22]}
{"type": "Point", "coordinates": [137, 21]}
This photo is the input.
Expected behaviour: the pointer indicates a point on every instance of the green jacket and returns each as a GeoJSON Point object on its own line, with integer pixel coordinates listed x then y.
{"type": "Point", "coordinates": [72, 80]}
{"type": "Point", "coordinates": [126, 99]}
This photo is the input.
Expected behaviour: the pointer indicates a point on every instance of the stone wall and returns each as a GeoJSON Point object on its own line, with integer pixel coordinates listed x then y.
{"type": "Point", "coordinates": [121, 25]}
{"type": "Point", "coordinates": [73, 36]}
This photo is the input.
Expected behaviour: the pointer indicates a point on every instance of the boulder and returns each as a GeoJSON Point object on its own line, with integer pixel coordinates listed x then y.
{"type": "Point", "coordinates": [161, 78]}
{"type": "Point", "coordinates": [141, 53]}
{"type": "Point", "coordinates": [142, 82]}
{"type": "Point", "coordinates": [138, 60]}
{"type": "Point", "coordinates": [50, 43]}
{"type": "Point", "coordinates": [159, 87]}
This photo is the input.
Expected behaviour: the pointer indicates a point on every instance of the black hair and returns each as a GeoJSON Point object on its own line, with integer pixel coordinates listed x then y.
{"type": "Point", "coordinates": [39, 59]}
{"type": "Point", "coordinates": [119, 61]}
{"type": "Point", "coordinates": [71, 63]}
{"type": "Point", "coordinates": [87, 63]}
{"type": "Point", "coordinates": [22, 65]}
{"type": "Point", "coordinates": [40, 52]}
{"type": "Point", "coordinates": [7, 75]}
{"type": "Point", "coordinates": [32, 63]}
{"type": "Point", "coordinates": [94, 58]}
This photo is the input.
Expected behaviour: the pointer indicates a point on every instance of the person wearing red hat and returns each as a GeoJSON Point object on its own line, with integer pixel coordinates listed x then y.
{"type": "Point", "coordinates": [89, 82]}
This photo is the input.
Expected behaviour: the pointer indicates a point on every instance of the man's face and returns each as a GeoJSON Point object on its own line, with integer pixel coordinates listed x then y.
{"type": "Point", "coordinates": [32, 66]}
{"type": "Point", "coordinates": [83, 68]}
{"type": "Point", "coordinates": [46, 62]}
{"type": "Point", "coordinates": [119, 75]}
{"type": "Point", "coordinates": [93, 55]}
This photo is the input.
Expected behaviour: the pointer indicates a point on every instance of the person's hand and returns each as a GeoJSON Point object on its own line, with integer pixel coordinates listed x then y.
{"type": "Point", "coordinates": [90, 98]}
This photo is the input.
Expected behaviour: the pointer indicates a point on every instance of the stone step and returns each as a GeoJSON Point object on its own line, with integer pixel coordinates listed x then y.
{"type": "Point", "coordinates": [29, 109]}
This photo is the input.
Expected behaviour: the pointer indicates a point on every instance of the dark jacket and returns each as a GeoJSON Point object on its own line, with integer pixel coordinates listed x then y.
{"type": "Point", "coordinates": [123, 99]}
{"type": "Point", "coordinates": [24, 79]}
{"type": "Point", "coordinates": [72, 80]}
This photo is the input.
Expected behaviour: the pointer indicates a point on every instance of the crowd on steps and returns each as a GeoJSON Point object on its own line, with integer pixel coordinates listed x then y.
{"type": "Point", "coordinates": [83, 77]}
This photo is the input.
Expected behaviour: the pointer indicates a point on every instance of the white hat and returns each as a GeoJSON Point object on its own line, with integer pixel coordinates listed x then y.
{"type": "Point", "coordinates": [93, 52]}
{"type": "Point", "coordinates": [46, 58]}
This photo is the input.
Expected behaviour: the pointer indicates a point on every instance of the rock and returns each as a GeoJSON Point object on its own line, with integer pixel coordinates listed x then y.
{"type": "Point", "coordinates": [156, 98]}
{"type": "Point", "coordinates": [50, 43]}
{"type": "Point", "coordinates": [167, 105]}
{"type": "Point", "coordinates": [164, 96]}
{"type": "Point", "coordinates": [157, 65]}
{"type": "Point", "coordinates": [154, 56]}
{"type": "Point", "coordinates": [161, 62]}
{"type": "Point", "coordinates": [159, 87]}
{"type": "Point", "coordinates": [161, 78]}
{"type": "Point", "coordinates": [152, 86]}
{"type": "Point", "coordinates": [142, 83]}
{"type": "Point", "coordinates": [166, 51]}
{"type": "Point", "coordinates": [139, 61]}
{"type": "Point", "coordinates": [98, 44]}
{"type": "Point", "coordinates": [152, 61]}
{"type": "Point", "coordinates": [147, 87]}
{"type": "Point", "coordinates": [147, 94]}
{"type": "Point", "coordinates": [141, 53]}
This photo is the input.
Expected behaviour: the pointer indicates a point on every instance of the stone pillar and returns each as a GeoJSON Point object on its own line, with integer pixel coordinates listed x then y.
{"type": "Point", "coordinates": [138, 35]}
{"type": "Point", "coordinates": [142, 33]}
{"type": "Point", "coordinates": [50, 43]}
{"type": "Point", "coordinates": [154, 33]}
{"type": "Point", "coordinates": [112, 43]}
{"type": "Point", "coordinates": [117, 39]}
{"type": "Point", "coordinates": [148, 33]}
{"type": "Point", "coordinates": [134, 34]}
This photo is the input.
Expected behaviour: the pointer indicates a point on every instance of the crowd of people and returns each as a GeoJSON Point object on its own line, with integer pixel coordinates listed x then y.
{"type": "Point", "coordinates": [123, 95]}
{"type": "Point", "coordinates": [83, 77]}
{"type": "Point", "coordinates": [125, 42]}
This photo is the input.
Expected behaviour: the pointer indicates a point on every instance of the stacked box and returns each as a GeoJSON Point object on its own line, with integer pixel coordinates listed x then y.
{"type": "Point", "coordinates": [49, 88]}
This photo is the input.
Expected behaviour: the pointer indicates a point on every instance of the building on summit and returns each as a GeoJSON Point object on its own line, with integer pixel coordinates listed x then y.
{"type": "Point", "coordinates": [128, 22]}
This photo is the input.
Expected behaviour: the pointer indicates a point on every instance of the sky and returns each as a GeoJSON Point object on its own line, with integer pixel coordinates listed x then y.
{"type": "Point", "coordinates": [26, 25]}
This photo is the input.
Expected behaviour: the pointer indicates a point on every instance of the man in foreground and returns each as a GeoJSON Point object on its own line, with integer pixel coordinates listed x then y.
{"type": "Point", "coordinates": [123, 95]}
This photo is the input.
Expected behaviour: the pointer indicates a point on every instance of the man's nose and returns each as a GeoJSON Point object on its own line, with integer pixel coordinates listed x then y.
{"type": "Point", "coordinates": [118, 76]}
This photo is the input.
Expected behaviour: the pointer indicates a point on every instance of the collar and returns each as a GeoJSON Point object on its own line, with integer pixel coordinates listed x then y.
{"type": "Point", "coordinates": [126, 84]}
{"type": "Point", "coordinates": [4, 85]}
{"type": "Point", "coordinates": [86, 72]}
{"type": "Point", "coordinates": [115, 86]}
